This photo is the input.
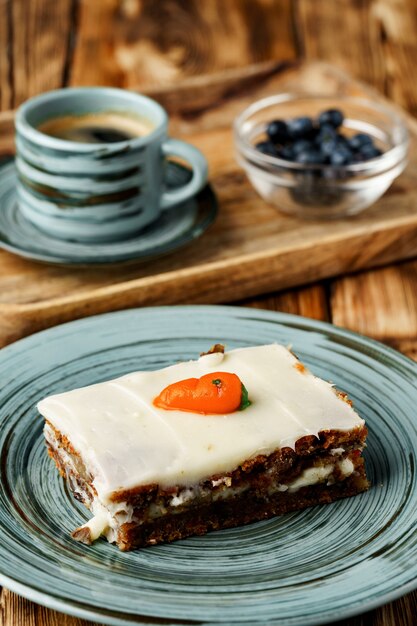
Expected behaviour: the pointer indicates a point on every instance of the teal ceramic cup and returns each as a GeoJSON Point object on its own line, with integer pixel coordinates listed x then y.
{"type": "Point", "coordinates": [96, 192]}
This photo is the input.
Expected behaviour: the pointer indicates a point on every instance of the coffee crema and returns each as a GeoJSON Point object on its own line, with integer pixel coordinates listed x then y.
{"type": "Point", "coordinates": [99, 127]}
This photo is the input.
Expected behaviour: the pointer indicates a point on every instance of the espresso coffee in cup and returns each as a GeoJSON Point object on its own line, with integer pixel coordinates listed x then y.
{"type": "Point", "coordinates": [99, 127]}
{"type": "Point", "coordinates": [91, 163]}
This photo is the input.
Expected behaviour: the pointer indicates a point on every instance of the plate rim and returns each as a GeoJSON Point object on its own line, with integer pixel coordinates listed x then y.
{"type": "Point", "coordinates": [77, 609]}
{"type": "Point", "coordinates": [89, 612]}
{"type": "Point", "coordinates": [266, 313]}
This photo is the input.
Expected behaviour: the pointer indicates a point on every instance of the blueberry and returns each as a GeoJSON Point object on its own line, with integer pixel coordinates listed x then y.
{"type": "Point", "coordinates": [301, 145]}
{"type": "Point", "coordinates": [326, 132]}
{"type": "Point", "coordinates": [328, 146]}
{"type": "Point", "coordinates": [369, 151]}
{"type": "Point", "coordinates": [341, 140]}
{"type": "Point", "coordinates": [334, 117]}
{"type": "Point", "coordinates": [341, 156]}
{"type": "Point", "coordinates": [330, 143]}
{"type": "Point", "coordinates": [287, 153]}
{"type": "Point", "coordinates": [266, 147]}
{"type": "Point", "coordinates": [312, 135]}
{"type": "Point", "coordinates": [361, 139]}
{"type": "Point", "coordinates": [310, 157]}
{"type": "Point", "coordinates": [300, 127]}
{"type": "Point", "coordinates": [277, 131]}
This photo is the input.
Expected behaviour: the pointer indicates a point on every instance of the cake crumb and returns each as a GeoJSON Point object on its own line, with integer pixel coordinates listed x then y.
{"type": "Point", "coordinates": [343, 396]}
{"type": "Point", "coordinates": [83, 535]}
{"type": "Point", "coordinates": [218, 347]}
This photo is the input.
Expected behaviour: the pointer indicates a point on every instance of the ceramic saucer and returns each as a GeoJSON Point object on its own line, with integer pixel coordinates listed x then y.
{"type": "Point", "coordinates": [177, 227]}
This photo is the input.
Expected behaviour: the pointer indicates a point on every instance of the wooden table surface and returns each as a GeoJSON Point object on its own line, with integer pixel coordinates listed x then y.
{"type": "Point", "coordinates": [45, 44]}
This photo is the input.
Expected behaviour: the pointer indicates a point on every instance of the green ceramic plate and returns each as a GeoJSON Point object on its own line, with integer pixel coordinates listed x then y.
{"type": "Point", "coordinates": [310, 567]}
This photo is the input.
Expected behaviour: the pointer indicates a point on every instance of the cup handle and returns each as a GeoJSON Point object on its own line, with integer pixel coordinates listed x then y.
{"type": "Point", "coordinates": [198, 163]}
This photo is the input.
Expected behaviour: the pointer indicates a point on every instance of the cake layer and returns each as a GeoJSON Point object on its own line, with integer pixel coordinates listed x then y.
{"type": "Point", "coordinates": [320, 470]}
{"type": "Point", "coordinates": [236, 511]}
{"type": "Point", "coordinates": [126, 442]}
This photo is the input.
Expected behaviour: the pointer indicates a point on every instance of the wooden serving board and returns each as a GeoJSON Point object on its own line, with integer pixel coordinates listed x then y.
{"type": "Point", "coordinates": [251, 249]}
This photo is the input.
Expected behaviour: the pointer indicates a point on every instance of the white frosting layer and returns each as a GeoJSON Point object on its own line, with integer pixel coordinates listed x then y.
{"type": "Point", "coordinates": [125, 441]}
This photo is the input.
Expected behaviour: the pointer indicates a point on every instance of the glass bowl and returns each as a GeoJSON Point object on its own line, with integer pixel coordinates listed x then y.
{"type": "Point", "coordinates": [322, 191]}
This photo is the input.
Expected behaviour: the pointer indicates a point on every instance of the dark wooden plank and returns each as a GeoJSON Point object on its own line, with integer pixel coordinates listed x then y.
{"type": "Point", "coordinates": [374, 40]}
{"type": "Point", "coordinates": [35, 40]}
{"type": "Point", "coordinates": [136, 44]}
{"type": "Point", "coordinates": [381, 304]}
{"type": "Point", "coordinates": [16, 611]}
{"type": "Point", "coordinates": [309, 301]}
{"type": "Point", "coordinates": [347, 33]}
{"type": "Point", "coordinates": [6, 91]}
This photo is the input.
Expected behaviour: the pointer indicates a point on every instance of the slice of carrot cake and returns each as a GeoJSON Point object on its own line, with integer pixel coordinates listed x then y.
{"type": "Point", "coordinates": [225, 440]}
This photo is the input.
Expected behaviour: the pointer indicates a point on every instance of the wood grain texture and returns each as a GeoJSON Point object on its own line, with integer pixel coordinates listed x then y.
{"type": "Point", "coordinates": [374, 40]}
{"type": "Point", "coordinates": [6, 95]}
{"type": "Point", "coordinates": [35, 37]}
{"type": "Point", "coordinates": [382, 303]}
{"type": "Point", "coordinates": [138, 43]}
{"type": "Point", "coordinates": [348, 32]}
{"type": "Point", "coordinates": [309, 301]}
{"type": "Point", "coordinates": [17, 611]}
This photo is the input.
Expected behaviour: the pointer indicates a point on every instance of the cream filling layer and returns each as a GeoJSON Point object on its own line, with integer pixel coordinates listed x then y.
{"type": "Point", "coordinates": [104, 523]}
{"type": "Point", "coordinates": [125, 441]}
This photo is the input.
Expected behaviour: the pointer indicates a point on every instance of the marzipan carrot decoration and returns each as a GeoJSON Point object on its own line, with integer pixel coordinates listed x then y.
{"type": "Point", "coordinates": [220, 392]}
